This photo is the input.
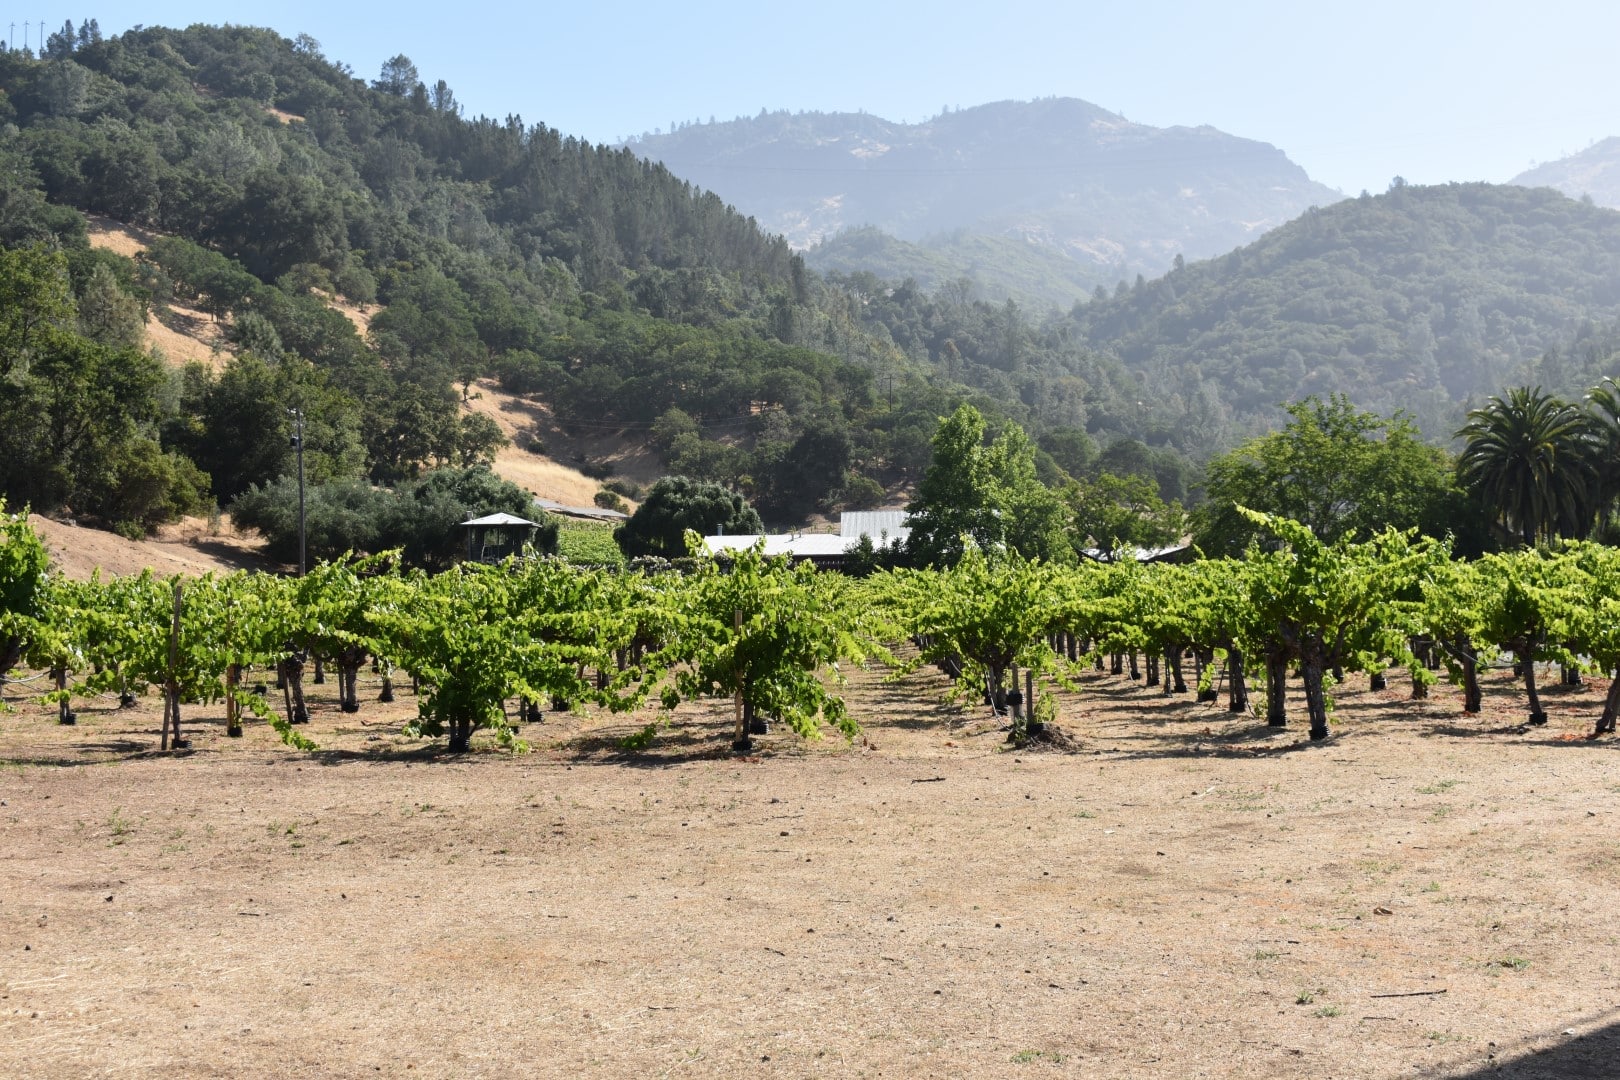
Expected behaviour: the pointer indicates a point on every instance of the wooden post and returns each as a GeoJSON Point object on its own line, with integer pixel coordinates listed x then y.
{"type": "Point", "coordinates": [171, 684]}
{"type": "Point", "coordinates": [64, 708]}
{"type": "Point", "coordinates": [233, 708]}
{"type": "Point", "coordinates": [1029, 698]}
{"type": "Point", "coordinates": [741, 741]}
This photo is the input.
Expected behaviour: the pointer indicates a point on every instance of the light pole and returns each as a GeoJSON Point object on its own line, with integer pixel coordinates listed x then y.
{"type": "Point", "coordinates": [298, 445]}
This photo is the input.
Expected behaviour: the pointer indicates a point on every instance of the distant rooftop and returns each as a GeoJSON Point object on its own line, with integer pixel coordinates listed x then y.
{"type": "Point", "coordinates": [796, 545]}
{"type": "Point", "coordinates": [596, 513]}
{"type": "Point", "coordinates": [877, 524]}
{"type": "Point", "coordinates": [498, 519]}
{"type": "Point", "coordinates": [1173, 553]}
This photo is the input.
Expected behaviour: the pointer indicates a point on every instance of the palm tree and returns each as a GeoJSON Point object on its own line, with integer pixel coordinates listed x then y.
{"type": "Point", "coordinates": [1529, 457]}
{"type": "Point", "coordinates": [1603, 409]}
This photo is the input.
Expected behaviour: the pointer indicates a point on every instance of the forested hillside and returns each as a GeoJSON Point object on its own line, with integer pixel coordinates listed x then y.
{"type": "Point", "coordinates": [278, 183]}
{"type": "Point", "coordinates": [1114, 197]}
{"type": "Point", "coordinates": [999, 267]}
{"type": "Point", "coordinates": [282, 195]}
{"type": "Point", "coordinates": [278, 187]}
{"type": "Point", "coordinates": [1419, 299]}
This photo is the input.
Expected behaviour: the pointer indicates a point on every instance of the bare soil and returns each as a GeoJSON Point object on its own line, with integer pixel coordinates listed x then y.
{"type": "Point", "coordinates": [126, 240]}
{"type": "Point", "coordinates": [189, 546]}
{"type": "Point", "coordinates": [1182, 894]}
{"type": "Point", "coordinates": [182, 334]}
{"type": "Point", "coordinates": [186, 334]}
{"type": "Point", "coordinates": [553, 473]}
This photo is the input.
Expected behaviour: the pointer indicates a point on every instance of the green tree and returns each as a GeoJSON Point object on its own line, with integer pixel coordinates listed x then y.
{"type": "Point", "coordinates": [1527, 457]}
{"type": "Point", "coordinates": [399, 76]}
{"type": "Point", "coordinates": [807, 473]}
{"type": "Point", "coordinates": [422, 518]}
{"type": "Point", "coordinates": [676, 505]}
{"type": "Point", "coordinates": [1111, 512]}
{"type": "Point", "coordinates": [35, 299]}
{"type": "Point", "coordinates": [1034, 519]}
{"type": "Point", "coordinates": [1341, 471]}
{"type": "Point", "coordinates": [955, 504]}
{"type": "Point", "coordinates": [1071, 448]}
{"type": "Point", "coordinates": [987, 496]}
{"type": "Point", "coordinates": [107, 314]}
{"type": "Point", "coordinates": [1603, 407]}
{"type": "Point", "coordinates": [427, 516]}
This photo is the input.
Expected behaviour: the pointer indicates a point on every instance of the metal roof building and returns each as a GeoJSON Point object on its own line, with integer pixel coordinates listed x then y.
{"type": "Point", "coordinates": [793, 545]}
{"type": "Point", "coordinates": [594, 513]}
{"type": "Point", "coordinates": [1173, 553]}
{"type": "Point", "coordinates": [887, 528]}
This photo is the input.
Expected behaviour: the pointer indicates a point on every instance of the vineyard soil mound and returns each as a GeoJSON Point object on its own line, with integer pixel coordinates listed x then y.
{"type": "Point", "coordinates": [1050, 737]}
{"type": "Point", "coordinates": [1426, 893]}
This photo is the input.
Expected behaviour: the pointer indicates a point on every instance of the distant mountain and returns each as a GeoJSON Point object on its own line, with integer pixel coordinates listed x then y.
{"type": "Point", "coordinates": [1115, 197]}
{"type": "Point", "coordinates": [1594, 171]}
{"type": "Point", "coordinates": [1424, 299]}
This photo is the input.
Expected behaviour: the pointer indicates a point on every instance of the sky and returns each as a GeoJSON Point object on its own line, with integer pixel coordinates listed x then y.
{"type": "Point", "coordinates": [1355, 92]}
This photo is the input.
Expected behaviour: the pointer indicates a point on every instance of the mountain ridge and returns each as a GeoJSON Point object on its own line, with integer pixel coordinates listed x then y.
{"type": "Point", "coordinates": [1114, 196]}
{"type": "Point", "coordinates": [1423, 299]}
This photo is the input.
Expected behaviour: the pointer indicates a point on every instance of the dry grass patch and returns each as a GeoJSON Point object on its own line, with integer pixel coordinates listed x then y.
{"type": "Point", "coordinates": [190, 546]}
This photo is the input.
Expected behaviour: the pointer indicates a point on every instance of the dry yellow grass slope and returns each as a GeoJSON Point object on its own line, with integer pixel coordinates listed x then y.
{"type": "Point", "coordinates": [521, 419]}
{"type": "Point", "coordinates": [183, 334]}
{"type": "Point", "coordinates": [183, 548]}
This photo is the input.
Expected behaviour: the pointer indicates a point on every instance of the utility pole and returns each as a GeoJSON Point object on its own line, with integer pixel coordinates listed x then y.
{"type": "Point", "coordinates": [298, 445]}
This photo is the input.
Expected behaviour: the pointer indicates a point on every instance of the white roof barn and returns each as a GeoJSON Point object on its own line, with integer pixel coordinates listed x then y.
{"type": "Point", "coordinates": [887, 528]}
{"type": "Point", "coordinates": [793, 545]}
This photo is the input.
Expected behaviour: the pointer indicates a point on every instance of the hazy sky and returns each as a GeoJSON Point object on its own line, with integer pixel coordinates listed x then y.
{"type": "Point", "coordinates": [1356, 92]}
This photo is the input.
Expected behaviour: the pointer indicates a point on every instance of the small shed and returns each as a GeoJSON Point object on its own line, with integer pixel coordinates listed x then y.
{"type": "Point", "coordinates": [496, 536]}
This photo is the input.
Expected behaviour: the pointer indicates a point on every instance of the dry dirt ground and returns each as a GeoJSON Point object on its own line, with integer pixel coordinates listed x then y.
{"type": "Point", "coordinates": [189, 546]}
{"type": "Point", "coordinates": [522, 420]}
{"type": "Point", "coordinates": [1182, 895]}
{"type": "Point", "coordinates": [182, 334]}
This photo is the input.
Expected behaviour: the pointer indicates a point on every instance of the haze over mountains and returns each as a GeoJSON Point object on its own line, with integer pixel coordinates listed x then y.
{"type": "Point", "coordinates": [1059, 176]}
{"type": "Point", "coordinates": [1594, 171]}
